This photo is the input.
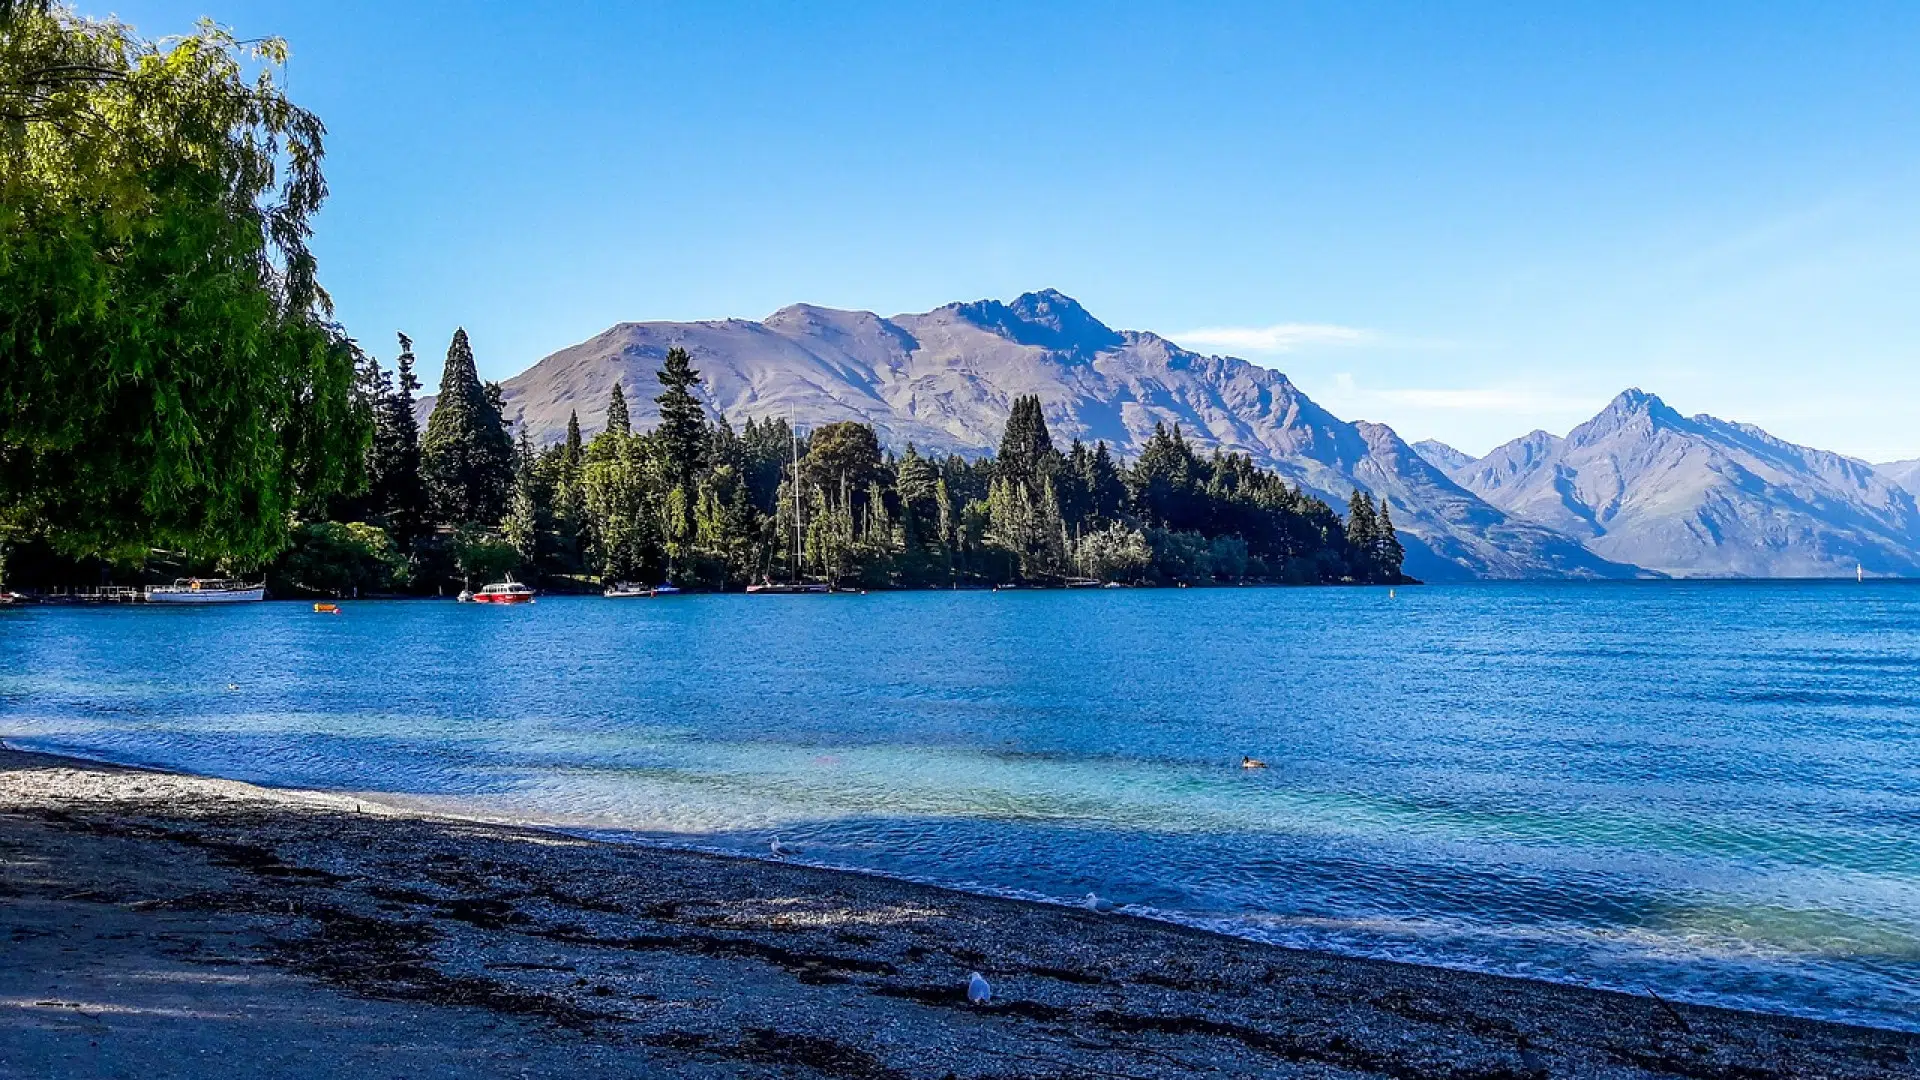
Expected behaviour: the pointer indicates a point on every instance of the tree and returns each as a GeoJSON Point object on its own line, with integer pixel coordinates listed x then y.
{"type": "Point", "coordinates": [617, 411]}
{"type": "Point", "coordinates": [1163, 481]}
{"type": "Point", "coordinates": [1028, 526]}
{"type": "Point", "coordinates": [1362, 535]}
{"type": "Point", "coordinates": [334, 558]}
{"type": "Point", "coordinates": [619, 497]}
{"type": "Point", "coordinates": [683, 424]}
{"type": "Point", "coordinates": [573, 445]}
{"type": "Point", "coordinates": [1389, 555]}
{"type": "Point", "coordinates": [466, 458]}
{"type": "Point", "coordinates": [1115, 553]}
{"type": "Point", "coordinates": [169, 372]}
{"type": "Point", "coordinates": [521, 526]}
{"type": "Point", "coordinates": [394, 495]}
{"type": "Point", "coordinates": [1027, 455]}
{"type": "Point", "coordinates": [482, 556]}
{"type": "Point", "coordinates": [1106, 491]}
{"type": "Point", "coordinates": [844, 454]}
{"type": "Point", "coordinates": [917, 483]}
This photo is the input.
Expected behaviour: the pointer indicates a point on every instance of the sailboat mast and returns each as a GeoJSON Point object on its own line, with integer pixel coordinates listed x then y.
{"type": "Point", "coordinates": [793, 434]}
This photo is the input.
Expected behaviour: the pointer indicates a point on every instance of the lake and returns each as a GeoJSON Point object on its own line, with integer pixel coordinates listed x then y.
{"type": "Point", "coordinates": [1708, 789]}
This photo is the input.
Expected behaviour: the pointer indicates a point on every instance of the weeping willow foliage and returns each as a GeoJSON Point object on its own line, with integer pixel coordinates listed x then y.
{"type": "Point", "coordinates": [170, 376]}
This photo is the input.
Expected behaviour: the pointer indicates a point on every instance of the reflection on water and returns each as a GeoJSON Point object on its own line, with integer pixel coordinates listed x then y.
{"type": "Point", "coordinates": [1712, 789]}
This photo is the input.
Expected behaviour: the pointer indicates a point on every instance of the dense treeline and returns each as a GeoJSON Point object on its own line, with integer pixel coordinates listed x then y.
{"type": "Point", "coordinates": [701, 505]}
{"type": "Point", "coordinates": [176, 398]}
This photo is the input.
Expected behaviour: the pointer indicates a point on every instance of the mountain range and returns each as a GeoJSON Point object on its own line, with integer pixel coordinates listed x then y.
{"type": "Point", "coordinates": [1638, 491]}
{"type": "Point", "coordinates": [1699, 496]}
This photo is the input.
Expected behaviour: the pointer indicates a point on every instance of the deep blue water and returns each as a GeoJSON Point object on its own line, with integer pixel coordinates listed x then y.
{"type": "Point", "coordinates": [1710, 789]}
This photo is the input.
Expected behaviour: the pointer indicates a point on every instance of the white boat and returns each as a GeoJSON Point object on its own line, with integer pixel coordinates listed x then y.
{"type": "Point", "coordinates": [789, 588]}
{"type": "Point", "coordinates": [206, 591]}
{"type": "Point", "coordinates": [627, 590]}
{"type": "Point", "coordinates": [504, 592]}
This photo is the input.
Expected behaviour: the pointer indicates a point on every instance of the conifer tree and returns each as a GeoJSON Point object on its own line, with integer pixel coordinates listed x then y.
{"type": "Point", "coordinates": [1390, 555]}
{"type": "Point", "coordinates": [466, 458]}
{"type": "Point", "coordinates": [1026, 453]}
{"type": "Point", "coordinates": [572, 447]}
{"type": "Point", "coordinates": [682, 434]}
{"type": "Point", "coordinates": [683, 424]}
{"type": "Point", "coordinates": [1106, 491]}
{"type": "Point", "coordinates": [394, 494]}
{"type": "Point", "coordinates": [617, 419]}
{"type": "Point", "coordinates": [521, 526]}
{"type": "Point", "coordinates": [1362, 535]}
{"type": "Point", "coordinates": [917, 483]}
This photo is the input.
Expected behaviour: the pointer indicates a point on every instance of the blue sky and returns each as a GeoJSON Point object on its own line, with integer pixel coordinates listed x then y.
{"type": "Point", "coordinates": [1466, 221]}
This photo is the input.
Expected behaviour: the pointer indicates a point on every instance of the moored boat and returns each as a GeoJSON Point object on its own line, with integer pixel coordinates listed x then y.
{"type": "Point", "coordinates": [627, 590]}
{"type": "Point", "coordinates": [206, 591]}
{"type": "Point", "coordinates": [504, 592]}
{"type": "Point", "coordinates": [788, 588]}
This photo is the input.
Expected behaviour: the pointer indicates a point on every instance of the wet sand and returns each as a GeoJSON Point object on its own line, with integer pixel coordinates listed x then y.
{"type": "Point", "coordinates": [158, 925]}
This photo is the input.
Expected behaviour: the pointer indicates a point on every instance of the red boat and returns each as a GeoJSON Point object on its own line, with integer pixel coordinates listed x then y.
{"type": "Point", "coordinates": [505, 592]}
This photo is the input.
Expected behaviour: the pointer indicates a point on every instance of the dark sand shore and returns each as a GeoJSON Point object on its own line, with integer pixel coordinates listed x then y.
{"type": "Point", "coordinates": [166, 926]}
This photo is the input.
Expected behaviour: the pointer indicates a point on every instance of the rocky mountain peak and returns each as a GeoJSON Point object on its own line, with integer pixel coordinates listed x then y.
{"type": "Point", "coordinates": [1633, 411]}
{"type": "Point", "coordinates": [1048, 319]}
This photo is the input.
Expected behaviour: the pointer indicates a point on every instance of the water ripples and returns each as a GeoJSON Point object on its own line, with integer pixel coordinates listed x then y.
{"type": "Point", "coordinates": [1707, 788]}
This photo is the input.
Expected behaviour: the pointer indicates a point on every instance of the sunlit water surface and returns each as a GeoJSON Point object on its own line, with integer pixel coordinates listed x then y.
{"type": "Point", "coordinates": [1711, 790]}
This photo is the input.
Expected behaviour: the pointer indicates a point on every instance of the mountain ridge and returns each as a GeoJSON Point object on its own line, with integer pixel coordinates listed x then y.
{"type": "Point", "coordinates": [1638, 490]}
{"type": "Point", "coordinates": [944, 380]}
{"type": "Point", "coordinates": [1701, 496]}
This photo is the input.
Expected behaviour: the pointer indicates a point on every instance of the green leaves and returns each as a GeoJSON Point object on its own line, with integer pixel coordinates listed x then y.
{"type": "Point", "coordinates": [168, 374]}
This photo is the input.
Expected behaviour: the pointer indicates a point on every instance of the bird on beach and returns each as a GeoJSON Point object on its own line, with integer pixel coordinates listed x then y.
{"type": "Point", "coordinates": [780, 850]}
{"type": "Point", "coordinates": [1251, 762]}
{"type": "Point", "coordinates": [979, 991]}
{"type": "Point", "coordinates": [1094, 903]}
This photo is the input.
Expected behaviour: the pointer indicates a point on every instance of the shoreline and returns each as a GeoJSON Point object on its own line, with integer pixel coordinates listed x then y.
{"type": "Point", "coordinates": [633, 959]}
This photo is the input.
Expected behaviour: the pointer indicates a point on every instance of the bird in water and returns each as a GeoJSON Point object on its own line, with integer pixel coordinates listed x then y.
{"type": "Point", "coordinates": [233, 686]}
{"type": "Point", "coordinates": [979, 991]}
{"type": "Point", "coordinates": [1251, 762]}
{"type": "Point", "coordinates": [780, 850]}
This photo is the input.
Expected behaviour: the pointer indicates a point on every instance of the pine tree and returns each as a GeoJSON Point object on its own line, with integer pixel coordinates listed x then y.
{"type": "Point", "coordinates": [682, 434]}
{"type": "Point", "coordinates": [1106, 491]}
{"type": "Point", "coordinates": [1027, 455]}
{"type": "Point", "coordinates": [573, 444]}
{"type": "Point", "coordinates": [466, 458]}
{"type": "Point", "coordinates": [917, 483]}
{"type": "Point", "coordinates": [393, 470]}
{"type": "Point", "coordinates": [683, 424]}
{"type": "Point", "coordinates": [1362, 535]}
{"type": "Point", "coordinates": [1027, 526]}
{"type": "Point", "coordinates": [521, 526]}
{"type": "Point", "coordinates": [617, 412]}
{"type": "Point", "coordinates": [1163, 481]}
{"type": "Point", "coordinates": [1389, 554]}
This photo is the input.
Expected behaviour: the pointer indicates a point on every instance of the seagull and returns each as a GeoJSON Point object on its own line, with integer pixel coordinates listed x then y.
{"type": "Point", "coordinates": [1251, 762]}
{"type": "Point", "coordinates": [1094, 903]}
{"type": "Point", "coordinates": [780, 850]}
{"type": "Point", "coordinates": [233, 686]}
{"type": "Point", "coordinates": [979, 991]}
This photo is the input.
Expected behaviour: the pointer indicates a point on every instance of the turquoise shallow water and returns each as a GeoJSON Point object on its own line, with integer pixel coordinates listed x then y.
{"type": "Point", "coordinates": [1710, 789]}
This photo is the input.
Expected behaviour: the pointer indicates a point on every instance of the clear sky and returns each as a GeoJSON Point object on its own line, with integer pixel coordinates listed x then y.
{"type": "Point", "coordinates": [1466, 221]}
